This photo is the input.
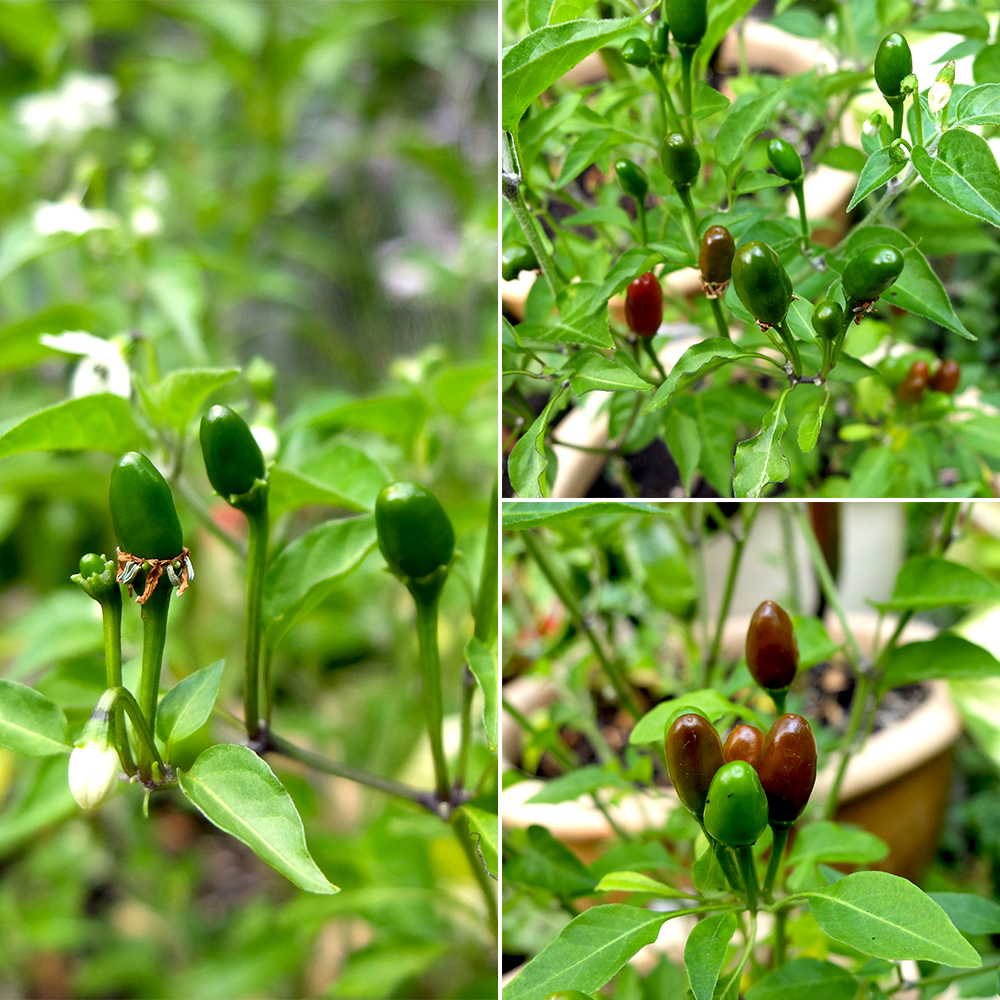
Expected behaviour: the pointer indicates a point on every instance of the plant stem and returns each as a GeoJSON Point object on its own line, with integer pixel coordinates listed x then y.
{"type": "Point", "coordinates": [684, 193]}
{"type": "Point", "coordinates": [606, 813]}
{"type": "Point", "coordinates": [918, 114]}
{"type": "Point", "coordinates": [258, 522]}
{"type": "Point", "coordinates": [665, 97]}
{"type": "Point", "coordinates": [774, 866]}
{"type": "Point", "coordinates": [780, 935]}
{"type": "Point", "coordinates": [791, 562]}
{"type": "Point", "coordinates": [803, 220]}
{"type": "Point", "coordinates": [861, 692]}
{"type": "Point", "coordinates": [739, 543]}
{"type": "Point", "coordinates": [619, 682]}
{"type": "Point", "coordinates": [111, 614]}
{"type": "Point", "coordinates": [154, 638]}
{"type": "Point", "coordinates": [647, 343]}
{"type": "Point", "coordinates": [720, 320]}
{"type": "Point", "coordinates": [751, 940]}
{"type": "Point", "coordinates": [687, 60]}
{"type": "Point", "coordinates": [726, 862]}
{"type": "Point", "coordinates": [468, 690]}
{"type": "Point", "coordinates": [124, 700]}
{"type": "Point", "coordinates": [460, 824]}
{"type": "Point", "coordinates": [793, 348]}
{"type": "Point", "coordinates": [430, 670]}
{"type": "Point", "coordinates": [896, 103]}
{"type": "Point", "coordinates": [748, 870]}
{"type": "Point", "coordinates": [640, 209]}
{"type": "Point", "coordinates": [527, 223]}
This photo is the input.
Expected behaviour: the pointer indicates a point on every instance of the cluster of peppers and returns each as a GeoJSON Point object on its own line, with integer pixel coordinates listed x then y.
{"type": "Point", "coordinates": [737, 788]}
{"type": "Point", "coordinates": [414, 535]}
{"type": "Point", "coordinates": [944, 378]}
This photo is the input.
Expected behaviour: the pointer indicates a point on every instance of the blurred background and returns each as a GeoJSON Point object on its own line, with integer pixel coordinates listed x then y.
{"type": "Point", "coordinates": [306, 191]}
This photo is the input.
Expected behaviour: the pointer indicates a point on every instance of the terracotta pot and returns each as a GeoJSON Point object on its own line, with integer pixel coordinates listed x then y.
{"type": "Point", "coordinates": [896, 787]}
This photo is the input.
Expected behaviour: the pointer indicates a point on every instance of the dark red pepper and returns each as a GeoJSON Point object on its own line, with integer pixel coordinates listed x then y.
{"type": "Point", "coordinates": [694, 754]}
{"type": "Point", "coordinates": [772, 650]}
{"type": "Point", "coordinates": [743, 743]}
{"type": "Point", "coordinates": [787, 768]}
{"type": "Point", "coordinates": [946, 376]}
{"type": "Point", "coordinates": [644, 305]}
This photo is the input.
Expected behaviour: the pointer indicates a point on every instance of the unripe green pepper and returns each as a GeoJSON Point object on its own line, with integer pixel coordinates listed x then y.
{"type": "Point", "coordinates": [142, 509]}
{"type": "Point", "coordinates": [636, 52]}
{"type": "Point", "coordinates": [233, 459]}
{"type": "Point", "coordinates": [688, 20]}
{"type": "Point", "coordinates": [762, 283]}
{"type": "Point", "coordinates": [787, 767]}
{"type": "Point", "coordinates": [644, 305]}
{"type": "Point", "coordinates": [97, 578]}
{"type": "Point", "coordinates": [414, 533]}
{"type": "Point", "coordinates": [715, 257]}
{"type": "Point", "coordinates": [828, 319]}
{"type": "Point", "coordinates": [743, 743]}
{"type": "Point", "coordinates": [871, 272]}
{"type": "Point", "coordinates": [736, 808]}
{"type": "Point", "coordinates": [946, 377]}
{"type": "Point", "coordinates": [772, 649]}
{"type": "Point", "coordinates": [661, 39]}
{"type": "Point", "coordinates": [680, 159]}
{"type": "Point", "coordinates": [517, 257]}
{"type": "Point", "coordinates": [785, 159]}
{"type": "Point", "coordinates": [632, 178]}
{"type": "Point", "coordinates": [893, 62]}
{"type": "Point", "coordinates": [694, 754]}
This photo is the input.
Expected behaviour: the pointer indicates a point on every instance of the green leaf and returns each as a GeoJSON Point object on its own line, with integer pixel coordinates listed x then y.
{"type": "Point", "coordinates": [982, 434]}
{"type": "Point", "coordinates": [652, 726]}
{"type": "Point", "coordinates": [47, 801]}
{"type": "Point", "coordinates": [339, 476]}
{"type": "Point", "coordinates": [177, 397]}
{"type": "Point", "coordinates": [632, 263]}
{"type": "Point", "coordinates": [811, 423]}
{"type": "Point", "coordinates": [588, 951]}
{"type": "Point", "coordinates": [23, 242]}
{"type": "Point", "coordinates": [705, 951]}
{"type": "Point", "coordinates": [878, 169]}
{"type": "Point", "coordinates": [681, 436]}
{"type": "Point", "coordinates": [926, 582]}
{"type": "Point", "coordinates": [964, 173]}
{"type": "Point", "coordinates": [980, 105]}
{"type": "Point", "coordinates": [486, 827]}
{"type": "Point", "coordinates": [522, 516]}
{"type": "Point", "coordinates": [483, 665]}
{"type": "Point", "coordinates": [186, 707]}
{"type": "Point", "coordinates": [757, 180]}
{"type": "Point", "coordinates": [310, 567]}
{"type": "Point", "coordinates": [958, 20]}
{"type": "Point", "coordinates": [872, 475]}
{"type": "Point", "coordinates": [971, 914]}
{"type": "Point", "coordinates": [708, 101]}
{"type": "Point", "coordinates": [696, 361]}
{"type": "Point", "coordinates": [456, 386]}
{"type": "Point", "coordinates": [721, 17]}
{"type": "Point", "coordinates": [832, 843]}
{"type": "Point", "coordinates": [399, 418]}
{"type": "Point", "coordinates": [177, 287]}
{"type": "Point", "coordinates": [760, 461]}
{"type": "Point", "coordinates": [540, 58]}
{"type": "Point", "coordinates": [548, 864]}
{"type": "Point", "coordinates": [30, 723]}
{"type": "Point", "coordinates": [986, 65]}
{"type": "Point", "coordinates": [528, 462]}
{"type": "Point", "coordinates": [239, 793]}
{"type": "Point", "coordinates": [594, 371]}
{"type": "Point", "coordinates": [743, 124]}
{"type": "Point", "coordinates": [19, 344]}
{"type": "Point", "coordinates": [814, 644]}
{"type": "Point", "coordinates": [946, 656]}
{"type": "Point", "coordinates": [580, 781]}
{"type": "Point", "coordinates": [887, 916]}
{"type": "Point", "coordinates": [918, 289]}
{"type": "Point", "coordinates": [102, 423]}
{"type": "Point", "coordinates": [805, 977]}
{"type": "Point", "coordinates": [637, 882]}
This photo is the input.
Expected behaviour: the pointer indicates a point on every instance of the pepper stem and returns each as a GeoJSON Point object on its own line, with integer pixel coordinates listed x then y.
{"type": "Point", "coordinates": [687, 67]}
{"type": "Point", "coordinates": [748, 869]}
{"type": "Point", "coordinates": [778, 695]}
{"type": "Point", "coordinates": [256, 565]}
{"type": "Point", "coordinates": [154, 638]}
{"type": "Point", "coordinates": [111, 612]}
{"type": "Point", "coordinates": [774, 866]}
{"type": "Point", "coordinates": [793, 349]}
{"type": "Point", "coordinates": [800, 197]}
{"type": "Point", "coordinates": [896, 103]}
{"type": "Point", "coordinates": [726, 863]}
{"type": "Point", "coordinates": [647, 343]}
{"type": "Point", "coordinates": [430, 669]}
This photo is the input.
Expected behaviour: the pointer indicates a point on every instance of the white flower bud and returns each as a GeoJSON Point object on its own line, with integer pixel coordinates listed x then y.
{"type": "Point", "coordinates": [93, 774]}
{"type": "Point", "coordinates": [873, 124]}
{"type": "Point", "coordinates": [938, 96]}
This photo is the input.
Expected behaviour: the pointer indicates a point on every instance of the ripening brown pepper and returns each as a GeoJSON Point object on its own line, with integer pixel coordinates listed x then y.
{"type": "Point", "coordinates": [715, 257]}
{"type": "Point", "coordinates": [946, 376]}
{"type": "Point", "coordinates": [911, 389]}
{"type": "Point", "coordinates": [694, 754]}
{"type": "Point", "coordinates": [743, 743]}
{"type": "Point", "coordinates": [787, 767]}
{"type": "Point", "coordinates": [772, 650]}
{"type": "Point", "coordinates": [644, 305]}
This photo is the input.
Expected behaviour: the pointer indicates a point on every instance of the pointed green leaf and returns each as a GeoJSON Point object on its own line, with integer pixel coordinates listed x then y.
{"type": "Point", "coordinates": [340, 476]}
{"type": "Point", "coordinates": [239, 793]}
{"type": "Point", "coordinates": [811, 424]}
{"type": "Point", "coordinates": [629, 881]}
{"type": "Point", "coordinates": [964, 173]}
{"type": "Point", "coordinates": [30, 723]}
{"type": "Point", "coordinates": [759, 461]}
{"type": "Point", "coordinates": [186, 707]}
{"type": "Point", "coordinates": [926, 582]}
{"type": "Point", "coordinates": [805, 977]}
{"type": "Point", "coordinates": [705, 952]}
{"type": "Point", "coordinates": [522, 516]}
{"type": "Point", "coordinates": [879, 168]}
{"type": "Point", "coordinates": [594, 371]}
{"type": "Point", "coordinates": [980, 105]}
{"type": "Point", "coordinates": [743, 124]}
{"type": "Point", "coordinates": [485, 827]}
{"type": "Point", "coordinates": [945, 656]}
{"type": "Point", "coordinates": [483, 665]}
{"type": "Point", "coordinates": [177, 397]}
{"type": "Point", "coordinates": [528, 462]}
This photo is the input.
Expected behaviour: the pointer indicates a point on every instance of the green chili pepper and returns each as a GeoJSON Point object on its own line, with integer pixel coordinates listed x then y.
{"type": "Point", "coordinates": [414, 533]}
{"type": "Point", "coordinates": [142, 509]}
{"type": "Point", "coordinates": [871, 272]}
{"type": "Point", "coordinates": [743, 743]}
{"type": "Point", "coordinates": [736, 807]}
{"type": "Point", "coordinates": [762, 283]}
{"type": "Point", "coordinates": [715, 258]}
{"type": "Point", "coordinates": [688, 20]}
{"type": "Point", "coordinates": [785, 159]}
{"type": "Point", "coordinates": [233, 459]}
{"type": "Point", "coordinates": [661, 39]}
{"type": "Point", "coordinates": [636, 52]}
{"type": "Point", "coordinates": [786, 767]}
{"type": "Point", "coordinates": [694, 754]}
{"type": "Point", "coordinates": [517, 257]}
{"type": "Point", "coordinates": [771, 648]}
{"type": "Point", "coordinates": [681, 161]}
{"type": "Point", "coordinates": [632, 178]}
{"type": "Point", "coordinates": [828, 319]}
{"type": "Point", "coordinates": [893, 62]}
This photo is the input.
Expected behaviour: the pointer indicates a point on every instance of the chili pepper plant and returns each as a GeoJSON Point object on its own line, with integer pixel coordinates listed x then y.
{"type": "Point", "coordinates": [605, 605]}
{"type": "Point", "coordinates": [761, 344]}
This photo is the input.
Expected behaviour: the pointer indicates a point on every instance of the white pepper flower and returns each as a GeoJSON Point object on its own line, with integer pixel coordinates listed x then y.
{"type": "Point", "coordinates": [93, 774]}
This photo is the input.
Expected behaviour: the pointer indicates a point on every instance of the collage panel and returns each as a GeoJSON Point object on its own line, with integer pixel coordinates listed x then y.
{"type": "Point", "coordinates": [750, 749]}
{"type": "Point", "coordinates": [750, 250]}
{"type": "Point", "coordinates": [248, 499]}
